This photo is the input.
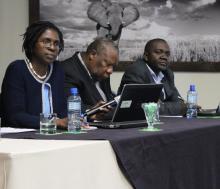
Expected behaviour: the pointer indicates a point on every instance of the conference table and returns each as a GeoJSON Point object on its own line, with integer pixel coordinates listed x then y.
{"type": "Point", "coordinates": [185, 154]}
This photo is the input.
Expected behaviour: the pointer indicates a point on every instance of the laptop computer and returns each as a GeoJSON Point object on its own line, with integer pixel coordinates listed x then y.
{"type": "Point", "coordinates": [128, 112]}
{"type": "Point", "coordinates": [210, 112]}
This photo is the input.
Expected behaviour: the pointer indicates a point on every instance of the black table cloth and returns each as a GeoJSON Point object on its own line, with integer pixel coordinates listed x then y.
{"type": "Point", "coordinates": [184, 155]}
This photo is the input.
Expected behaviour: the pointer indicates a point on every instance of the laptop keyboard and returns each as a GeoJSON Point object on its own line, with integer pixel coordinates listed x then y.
{"type": "Point", "coordinates": [123, 124]}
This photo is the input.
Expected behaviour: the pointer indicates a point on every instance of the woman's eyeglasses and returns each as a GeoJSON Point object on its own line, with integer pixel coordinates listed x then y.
{"type": "Point", "coordinates": [47, 43]}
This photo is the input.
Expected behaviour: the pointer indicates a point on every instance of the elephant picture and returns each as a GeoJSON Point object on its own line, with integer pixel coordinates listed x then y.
{"type": "Point", "coordinates": [112, 17]}
{"type": "Point", "coordinates": [190, 27]}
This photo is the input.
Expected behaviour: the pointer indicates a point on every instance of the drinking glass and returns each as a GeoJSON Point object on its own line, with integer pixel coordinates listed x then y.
{"type": "Point", "coordinates": [150, 110]}
{"type": "Point", "coordinates": [48, 123]}
{"type": "Point", "coordinates": [157, 117]}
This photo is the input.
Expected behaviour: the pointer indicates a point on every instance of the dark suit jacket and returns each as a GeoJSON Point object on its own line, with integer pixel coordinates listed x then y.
{"type": "Point", "coordinates": [139, 73]}
{"type": "Point", "coordinates": [22, 95]}
{"type": "Point", "coordinates": [77, 76]}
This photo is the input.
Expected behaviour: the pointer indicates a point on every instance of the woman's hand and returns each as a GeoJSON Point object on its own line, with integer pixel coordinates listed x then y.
{"type": "Point", "coordinates": [62, 123]}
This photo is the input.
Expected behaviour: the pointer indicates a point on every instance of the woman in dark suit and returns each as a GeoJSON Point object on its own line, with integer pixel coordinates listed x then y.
{"type": "Point", "coordinates": [36, 84]}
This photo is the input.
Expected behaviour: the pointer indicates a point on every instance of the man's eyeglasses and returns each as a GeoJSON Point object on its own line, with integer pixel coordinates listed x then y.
{"type": "Point", "coordinates": [47, 43]}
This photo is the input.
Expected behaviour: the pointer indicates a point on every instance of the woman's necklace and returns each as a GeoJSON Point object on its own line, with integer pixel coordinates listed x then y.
{"type": "Point", "coordinates": [40, 77]}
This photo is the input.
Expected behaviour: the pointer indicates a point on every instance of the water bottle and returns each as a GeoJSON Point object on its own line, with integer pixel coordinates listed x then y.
{"type": "Point", "coordinates": [74, 111]}
{"type": "Point", "coordinates": [191, 102]}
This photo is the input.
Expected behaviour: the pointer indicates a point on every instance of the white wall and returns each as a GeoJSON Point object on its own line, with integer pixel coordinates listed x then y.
{"type": "Point", "coordinates": [206, 84]}
{"type": "Point", "coordinates": [14, 20]}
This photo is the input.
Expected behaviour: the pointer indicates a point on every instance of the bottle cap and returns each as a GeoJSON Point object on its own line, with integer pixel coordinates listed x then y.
{"type": "Point", "coordinates": [192, 88]}
{"type": "Point", "coordinates": [73, 90]}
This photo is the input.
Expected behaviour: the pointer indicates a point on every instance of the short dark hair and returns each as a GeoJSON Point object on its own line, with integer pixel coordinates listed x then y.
{"type": "Point", "coordinates": [100, 44]}
{"type": "Point", "coordinates": [34, 31]}
{"type": "Point", "coordinates": [149, 44]}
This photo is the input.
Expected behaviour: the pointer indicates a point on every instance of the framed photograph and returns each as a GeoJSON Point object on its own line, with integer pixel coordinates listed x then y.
{"type": "Point", "coordinates": [191, 28]}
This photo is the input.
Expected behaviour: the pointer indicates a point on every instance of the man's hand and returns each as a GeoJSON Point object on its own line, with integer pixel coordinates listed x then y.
{"type": "Point", "coordinates": [102, 111]}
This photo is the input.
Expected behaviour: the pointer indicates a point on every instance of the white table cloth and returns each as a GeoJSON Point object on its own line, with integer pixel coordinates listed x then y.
{"type": "Point", "coordinates": [57, 164]}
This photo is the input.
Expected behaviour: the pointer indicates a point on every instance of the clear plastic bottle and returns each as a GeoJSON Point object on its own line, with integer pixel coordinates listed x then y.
{"type": "Point", "coordinates": [191, 102]}
{"type": "Point", "coordinates": [74, 111]}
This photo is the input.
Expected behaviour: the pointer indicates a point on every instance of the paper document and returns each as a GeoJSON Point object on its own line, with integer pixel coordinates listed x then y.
{"type": "Point", "coordinates": [14, 130]}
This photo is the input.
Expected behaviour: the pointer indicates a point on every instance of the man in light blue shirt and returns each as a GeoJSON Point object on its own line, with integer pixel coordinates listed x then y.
{"type": "Point", "coordinates": [153, 68]}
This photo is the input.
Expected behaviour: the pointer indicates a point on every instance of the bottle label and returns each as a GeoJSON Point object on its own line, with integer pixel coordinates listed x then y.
{"type": "Point", "coordinates": [74, 106]}
{"type": "Point", "coordinates": [192, 99]}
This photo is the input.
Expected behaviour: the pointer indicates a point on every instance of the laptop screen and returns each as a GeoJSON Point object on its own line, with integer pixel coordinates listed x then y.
{"type": "Point", "coordinates": [132, 96]}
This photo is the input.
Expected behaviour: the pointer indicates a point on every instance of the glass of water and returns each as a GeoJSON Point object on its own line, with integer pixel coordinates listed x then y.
{"type": "Point", "coordinates": [48, 123]}
{"type": "Point", "coordinates": [150, 110]}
